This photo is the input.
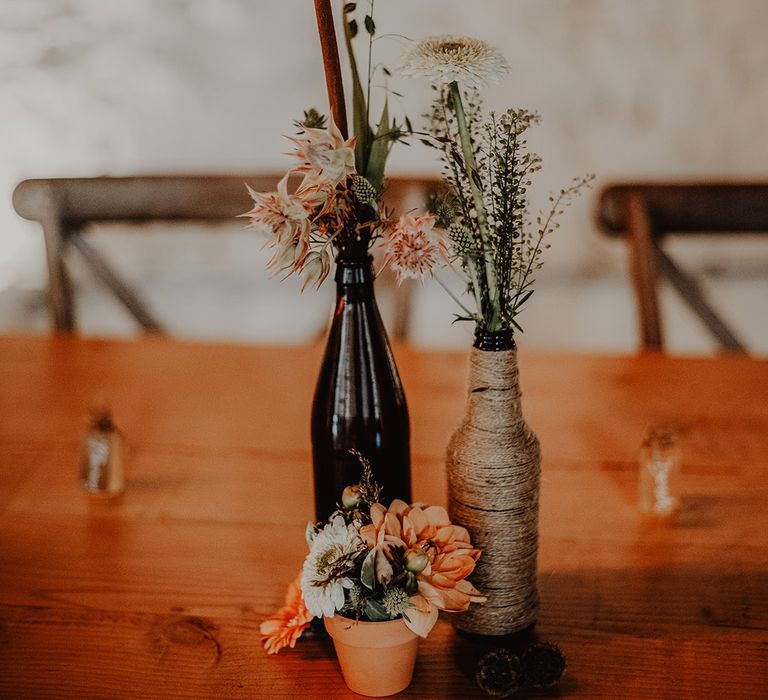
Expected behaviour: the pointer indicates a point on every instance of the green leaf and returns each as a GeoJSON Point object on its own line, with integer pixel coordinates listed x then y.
{"type": "Point", "coordinates": [457, 318]}
{"type": "Point", "coordinates": [359, 117]}
{"type": "Point", "coordinates": [370, 25]}
{"type": "Point", "coordinates": [375, 611]}
{"type": "Point", "coordinates": [350, 7]}
{"type": "Point", "coordinates": [352, 26]}
{"type": "Point", "coordinates": [377, 158]}
{"type": "Point", "coordinates": [386, 71]}
{"type": "Point", "coordinates": [523, 299]}
{"type": "Point", "coordinates": [368, 571]}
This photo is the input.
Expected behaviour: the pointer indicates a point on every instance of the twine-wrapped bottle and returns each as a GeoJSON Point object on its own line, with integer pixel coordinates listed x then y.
{"type": "Point", "coordinates": [493, 465]}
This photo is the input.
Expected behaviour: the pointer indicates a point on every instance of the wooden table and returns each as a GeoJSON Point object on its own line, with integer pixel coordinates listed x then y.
{"type": "Point", "coordinates": [161, 593]}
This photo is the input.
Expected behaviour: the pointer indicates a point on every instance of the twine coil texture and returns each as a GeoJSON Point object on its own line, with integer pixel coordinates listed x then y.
{"type": "Point", "coordinates": [493, 466]}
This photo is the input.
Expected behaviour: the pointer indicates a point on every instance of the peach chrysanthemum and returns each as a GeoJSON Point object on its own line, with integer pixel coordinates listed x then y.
{"type": "Point", "coordinates": [451, 557]}
{"type": "Point", "coordinates": [410, 249]}
{"type": "Point", "coordinates": [324, 156]}
{"type": "Point", "coordinates": [284, 627]}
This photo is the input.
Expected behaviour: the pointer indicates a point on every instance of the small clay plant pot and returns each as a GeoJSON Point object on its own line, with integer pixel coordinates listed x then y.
{"type": "Point", "coordinates": [376, 658]}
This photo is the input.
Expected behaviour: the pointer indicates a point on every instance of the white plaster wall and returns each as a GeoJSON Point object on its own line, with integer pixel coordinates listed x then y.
{"type": "Point", "coordinates": [627, 89]}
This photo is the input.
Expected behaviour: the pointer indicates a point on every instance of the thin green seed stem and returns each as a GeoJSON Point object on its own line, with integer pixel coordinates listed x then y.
{"type": "Point", "coordinates": [470, 165]}
{"type": "Point", "coordinates": [454, 297]}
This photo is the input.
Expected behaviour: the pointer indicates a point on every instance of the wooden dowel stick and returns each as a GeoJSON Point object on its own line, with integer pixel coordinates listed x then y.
{"type": "Point", "coordinates": [331, 64]}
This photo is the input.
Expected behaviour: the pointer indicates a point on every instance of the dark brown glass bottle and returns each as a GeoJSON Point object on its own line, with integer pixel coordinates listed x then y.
{"type": "Point", "coordinates": [359, 401]}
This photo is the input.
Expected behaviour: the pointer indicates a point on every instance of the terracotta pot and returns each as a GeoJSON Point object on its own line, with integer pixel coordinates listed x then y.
{"type": "Point", "coordinates": [376, 658]}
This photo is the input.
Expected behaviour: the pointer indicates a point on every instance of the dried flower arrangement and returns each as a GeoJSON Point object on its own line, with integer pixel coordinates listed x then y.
{"type": "Point", "coordinates": [484, 221]}
{"type": "Point", "coordinates": [335, 211]}
{"type": "Point", "coordinates": [482, 228]}
{"type": "Point", "coordinates": [372, 563]}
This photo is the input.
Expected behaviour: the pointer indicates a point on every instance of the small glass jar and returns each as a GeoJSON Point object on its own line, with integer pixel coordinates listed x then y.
{"type": "Point", "coordinates": [101, 471]}
{"type": "Point", "coordinates": [660, 457]}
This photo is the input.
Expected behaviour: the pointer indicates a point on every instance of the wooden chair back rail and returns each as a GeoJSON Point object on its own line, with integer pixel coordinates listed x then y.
{"type": "Point", "coordinates": [647, 213]}
{"type": "Point", "coordinates": [64, 207]}
{"type": "Point", "coordinates": [689, 208]}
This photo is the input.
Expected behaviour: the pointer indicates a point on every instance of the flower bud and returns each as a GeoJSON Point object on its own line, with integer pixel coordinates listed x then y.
{"type": "Point", "coordinates": [350, 497]}
{"type": "Point", "coordinates": [311, 270]}
{"type": "Point", "coordinates": [416, 560]}
{"type": "Point", "coordinates": [314, 268]}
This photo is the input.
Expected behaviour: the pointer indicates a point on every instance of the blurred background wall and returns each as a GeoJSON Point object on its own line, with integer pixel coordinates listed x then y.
{"type": "Point", "coordinates": [627, 89]}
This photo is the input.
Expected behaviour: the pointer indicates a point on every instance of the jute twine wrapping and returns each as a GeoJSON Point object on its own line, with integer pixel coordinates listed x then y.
{"type": "Point", "coordinates": [493, 466]}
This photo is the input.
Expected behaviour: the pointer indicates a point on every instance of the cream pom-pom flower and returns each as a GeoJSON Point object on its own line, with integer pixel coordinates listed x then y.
{"type": "Point", "coordinates": [447, 59]}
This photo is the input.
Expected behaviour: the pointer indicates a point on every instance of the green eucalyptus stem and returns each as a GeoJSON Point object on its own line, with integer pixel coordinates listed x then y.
{"type": "Point", "coordinates": [470, 165]}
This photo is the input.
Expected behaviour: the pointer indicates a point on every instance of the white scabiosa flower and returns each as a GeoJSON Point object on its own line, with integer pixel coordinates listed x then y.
{"type": "Point", "coordinates": [445, 59]}
{"type": "Point", "coordinates": [331, 556]}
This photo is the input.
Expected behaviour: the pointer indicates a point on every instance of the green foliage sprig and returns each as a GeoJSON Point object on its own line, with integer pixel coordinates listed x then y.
{"type": "Point", "coordinates": [373, 145]}
{"type": "Point", "coordinates": [488, 168]}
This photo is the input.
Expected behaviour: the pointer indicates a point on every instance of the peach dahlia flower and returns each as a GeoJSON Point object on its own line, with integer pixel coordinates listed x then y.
{"type": "Point", "coordinates": [287, 624]}
{"type": "Point", "coordinates": [451, 557]}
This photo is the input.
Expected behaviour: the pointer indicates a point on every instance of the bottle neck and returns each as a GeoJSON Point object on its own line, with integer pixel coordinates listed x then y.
{"type": "Point", "coordinates": [494, 341]}
{"type": "Point", "coordinates": [354, 276]}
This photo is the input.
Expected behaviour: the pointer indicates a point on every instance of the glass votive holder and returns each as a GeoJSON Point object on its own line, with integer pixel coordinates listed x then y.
{"type": "Point", "coordinates": [102, 469]}
{"type": "Point", "coordinates": [659, 471]}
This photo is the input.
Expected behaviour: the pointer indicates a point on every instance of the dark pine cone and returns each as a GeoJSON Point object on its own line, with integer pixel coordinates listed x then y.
{"type": "Point", "coordinates": [542, 666]}
{"type": "Point", "coordinates": [498, 673]}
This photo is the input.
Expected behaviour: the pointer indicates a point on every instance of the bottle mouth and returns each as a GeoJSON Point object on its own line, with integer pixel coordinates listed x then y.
{"type": "Point", "coordinates": [343, 261]}
{"type": "Point", "coordinates": [354, 271]}
{"type": "Point", "coordinates": [494, 341]}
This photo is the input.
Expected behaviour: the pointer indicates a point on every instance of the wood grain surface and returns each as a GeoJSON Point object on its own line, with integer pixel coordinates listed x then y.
{"type": "Point", "coordinates": [160, 593]}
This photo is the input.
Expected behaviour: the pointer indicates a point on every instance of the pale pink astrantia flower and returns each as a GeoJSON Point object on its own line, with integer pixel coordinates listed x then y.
{"type": "Point", "coordinates": [324, 156]}
{"type": "Point", "coordinates": [410, 250]}
{"type": "Point", "coordinates": [446, 59]}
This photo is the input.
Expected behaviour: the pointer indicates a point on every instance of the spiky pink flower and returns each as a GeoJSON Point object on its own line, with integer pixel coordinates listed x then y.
{"type": "Point", "coordinates": [410, 249]}
{"type": "Point", "coordinates": [324, 156]}
{"type": "Point", "coordinates": [286, 219]}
